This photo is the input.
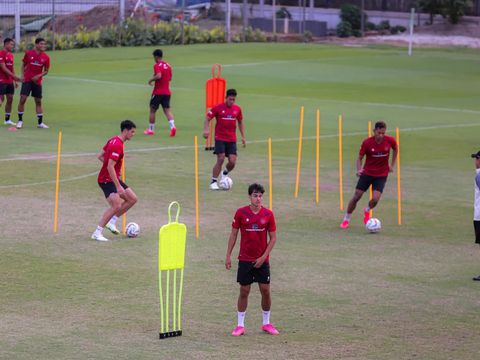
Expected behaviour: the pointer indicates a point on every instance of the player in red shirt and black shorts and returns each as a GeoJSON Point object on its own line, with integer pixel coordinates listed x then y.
{"type": "Point", "coordinates": [161, 93]}
{"type": "Point", "coordinates": [253, 221]}
{"type": "Point", "coordinates": [375, 171]}
{"type": "Point", "coordinates": [35, 66]}
{"type": "Point", "coordinates": [227, 114]}
{"type": "Point", "coordinates": [109, 181]}
{"type": "Point", "coordinates": [7, 76]}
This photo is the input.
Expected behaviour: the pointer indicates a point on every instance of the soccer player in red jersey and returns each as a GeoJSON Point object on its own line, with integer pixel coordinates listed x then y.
{"type": "Point", "coordinates": [375, 171]}
{"type": "Point", "coordinates": [7, 77]}
{"type": "Point", "coordinates": [161, 93]}
{"type": "Point", "coordinates": [227, 114]}
{"type": "Point", "coordinates": [35, 66]}
{"type": "Point", "coordinates": [253, 221]}
{"type": "Point", "coordinates": [109, 181]}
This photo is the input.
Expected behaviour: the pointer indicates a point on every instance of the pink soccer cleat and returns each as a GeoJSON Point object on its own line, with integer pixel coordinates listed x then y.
{"type": "Point", "coordinates": [148, 132]}
{"type": "Point", "coordinates": [173, 131]}
{"type": "Point", "coordinates": [270, 329]}
{"type": "Point", "coordinates": [366, 216]}
{"type": "Point", "coordinates": [344, 224]}
{"type": "Point", "coordinates": [239, 330]}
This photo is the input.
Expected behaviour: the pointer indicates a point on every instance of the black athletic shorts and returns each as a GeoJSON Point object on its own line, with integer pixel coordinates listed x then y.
{"type": "Point", "coordinates": [158, 100]}
{"type": "Point", "coordinates": [7, 89]}
{"type": "Point", "coordinates": [247, 274]}
{"type": "Point", "coordinates": [377, 182]}
{"type": "Point", "coordinates": [476, 226]}
{"type": "Point", "coordinates": [225, 147]}
{"type": "Point", "coordinates": [109, 187]}
{"type": "Point", "coordinates": [30, 87]}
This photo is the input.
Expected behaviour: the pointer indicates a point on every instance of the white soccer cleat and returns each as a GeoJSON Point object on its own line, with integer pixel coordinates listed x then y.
{"type": "Point", "coordinates": [42, 126]}
{"type": "Point", "coordinates": [112, 228]}
{"type": "Point", "coordinates": [99, 237]}
{"type": "Point", "coordinates": [20, 124]}
{"type": "Point", "coordinates": [9, 122]}
{"type": "Point", "coordinates": [214, 186]}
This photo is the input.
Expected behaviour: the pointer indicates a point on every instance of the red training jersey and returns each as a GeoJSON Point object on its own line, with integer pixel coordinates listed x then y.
{"type": "Point", "coordinates": [226, 125]}
{"type": "Point", "coordinates": [7, 59]}
{"type": "Point", "coordinates": [377, 155]}
{"type": "Point", "coordinates": [253, 230]}
{"type": "Point", "coordinates": [113, 150]}
{"type": "Point", "coordinates": [162, 86]}
{"type": "Point", "coordinates": [35, 64]}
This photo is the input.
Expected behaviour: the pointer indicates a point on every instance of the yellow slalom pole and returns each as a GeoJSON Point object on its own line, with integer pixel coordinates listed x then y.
{"type": "Point", "coordinates": [58, 178]}
{"type": "Point", "coordinates": [299, 153]}
{"type": "Point", "coordinates": [196, 182]}
{"type": "Point", "coordinates": [340, 159]}
{"type": "Point", "coordinates": [166, 300]}
{"type": "Point", "coordinates": [398, 177]}
{"type": "Point", "coordinates": [270, 170]}
{"type": "Point", "coordinates": [318, 150]}
{"type": "Point", "coordinates": [123, 179]}
{"type": "Point", "coordinates": [370, 134]}
{"type": "Point", "coordinates": [174, 299]}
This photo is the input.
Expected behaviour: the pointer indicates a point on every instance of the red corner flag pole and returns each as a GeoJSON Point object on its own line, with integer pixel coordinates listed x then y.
{"type": "Point", "coordinates": [216, 88]}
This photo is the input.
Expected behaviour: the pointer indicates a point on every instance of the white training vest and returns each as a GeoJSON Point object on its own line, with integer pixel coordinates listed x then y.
{"type": "Point", "coordinates": [476, 216]}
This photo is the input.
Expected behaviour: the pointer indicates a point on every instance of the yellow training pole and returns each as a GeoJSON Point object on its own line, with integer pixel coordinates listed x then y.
{"type": "Point", "coordinates": [123, 179]}
{"type": "Point", "coordinates": [58, 178]}
{"type": "Point", "coordinates": [270, 170]}
{"type": "Point", "coordinates": [196, 182]}
{"type": "Point", "coordinates": [299, 152]}
{"type": "Point", "coordinates": [370, 134]}
{"type": "Point", "coordinates": [161, 298]}
{"type": "Point", "coordinates": [340, 159]}
{"type": "Point", "coordinates": [398, 177]}
{"type": "Point", "coordinates": [318, 149]}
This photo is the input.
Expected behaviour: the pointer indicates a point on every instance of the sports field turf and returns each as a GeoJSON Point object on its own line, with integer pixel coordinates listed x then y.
{"type": "Point", "coordinates": [405, 293]}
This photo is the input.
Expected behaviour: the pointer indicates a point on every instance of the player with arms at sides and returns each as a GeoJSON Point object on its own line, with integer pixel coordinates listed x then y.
{"type": "Point", "coordinates": [109, 181]}
{"type": "Point", "coordinates": [253, 221]}
{"type": "Point", "coordinates": [227, 114]}
{"type": "Point", "coordinates": [161, 93]}
{"type": "Point", "coordinates": [35, 66]}
{"type": "Point", "coordinates": [7, 77]}
{"type": "Point", "coordinates": [375, 171]}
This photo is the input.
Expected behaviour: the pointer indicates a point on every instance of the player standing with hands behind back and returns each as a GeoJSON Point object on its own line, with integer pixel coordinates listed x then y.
{"type": "Point", "coordinates": [35, 66]}
{"type": "Point", "coordinates": [254, 222]}
{"type": "Point", "coordinates": [375, 171]}
{"type": "Point", "coordinates": [227, 115]}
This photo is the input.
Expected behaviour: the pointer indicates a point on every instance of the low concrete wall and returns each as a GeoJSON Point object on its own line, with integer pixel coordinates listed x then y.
{"type": "Point", "coordinates": [317, 28]}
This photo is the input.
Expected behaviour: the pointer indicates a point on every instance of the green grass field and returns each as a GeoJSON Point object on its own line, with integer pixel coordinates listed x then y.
{"type": "Point", "coordinates": [405, 293]}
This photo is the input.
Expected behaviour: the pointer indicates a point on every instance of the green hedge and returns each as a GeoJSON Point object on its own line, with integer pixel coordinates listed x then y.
{"type": "Point", "coordinates": [135, 33]}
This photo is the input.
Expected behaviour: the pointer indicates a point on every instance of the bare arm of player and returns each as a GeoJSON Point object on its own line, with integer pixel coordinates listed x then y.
{"type": "Point", "coordinates": [113, 176]}
{"type": "Point", "coordinates": [23, 72]}
{"type": "Point", "coordinates": [231, 244]}
{"type": "Point", "coordinates": [394, 158]}
{"type": "Point", "coordinates": [157, 76]}
{"type": "Point", "coordinates": [242, 131]}
{"type": "Point", "coordinates": [3, 67]}
{"type": "Point", "coordinates": [273, 239]}
{"type": "Point", "coordinates": [39, 76]}
{"type": "Point", "coordinates": [101, 156]}
{"type": "Point", "coordinates": [359, 165]}
{"type": "Point", "coordinates": [206, 132]}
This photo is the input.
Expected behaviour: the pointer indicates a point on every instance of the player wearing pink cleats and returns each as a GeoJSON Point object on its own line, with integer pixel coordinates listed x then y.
{"type": "Point", "coordinates": [161, 93]}
{"type": "Point", "coordinates": [375, 171]}
{"type": "Point", "coordinates": [270, 329]}
{"type": "Point", "coordinates": [254, 222]}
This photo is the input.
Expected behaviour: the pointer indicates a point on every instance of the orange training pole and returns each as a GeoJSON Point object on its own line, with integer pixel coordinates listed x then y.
{"type": "Point", "coordinates": [58, 177]}
{"type": "Point", "coordinates": [299, 153]}
{"type": "Point", "coordinates": [340, 159]}
{"type": "Point", "coordinates": [196, 182]}
{"type": "Point", "coordinates": [370, 134]}
{"type": "Point", "coordinates": [318, 150]}
{"type": "Point", "coordinates": [398, 177]}
{"type": "Point", "coordinates": [270, 170]}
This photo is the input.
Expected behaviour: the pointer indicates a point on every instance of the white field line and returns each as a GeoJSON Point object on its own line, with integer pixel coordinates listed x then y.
{"type": "Point", "coordinates": [49, 182]}
{"type": "Point", "coordinates": [248, 142]}
{"type": "Point", "coordinates": [287, 97]}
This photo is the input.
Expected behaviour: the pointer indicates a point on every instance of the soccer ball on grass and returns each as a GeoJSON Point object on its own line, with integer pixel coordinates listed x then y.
{"type": "Point", "coordinates": [132, 229]}
{"type": "Point", "coordinates": [374, 225]}
{"type": "Point", "coordinates": [226, 183]}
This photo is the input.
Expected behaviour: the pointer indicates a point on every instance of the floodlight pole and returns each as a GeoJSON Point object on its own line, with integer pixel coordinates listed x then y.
{"type": "Point", "coordinates": [363, 18]}
{"type": "Point", "coordinates": [182, 24]}
{"type": "Point", "coordinates": [304, 22]}
{"type": "Point", "coordinates": [17, 23]}
{"type": "Point", "coordinates": [274, 18]}
{"type": "Point", "coordinates": [245, 20]}
{"type": "Point", "coordinates": [227, 20]}
{"type": "Point", "coordinates": [53, 25]}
